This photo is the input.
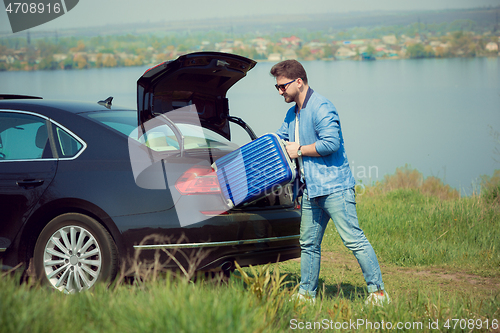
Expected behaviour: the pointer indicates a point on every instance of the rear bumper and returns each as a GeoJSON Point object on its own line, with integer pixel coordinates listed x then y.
{"type": "Point", "coordinates": [255, 258]}
{"type": "Point", "coordinates": [250, 238]}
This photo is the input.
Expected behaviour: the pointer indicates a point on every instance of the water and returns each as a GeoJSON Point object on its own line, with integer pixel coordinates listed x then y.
{"type": "Point", "coordinates": [437, 115]}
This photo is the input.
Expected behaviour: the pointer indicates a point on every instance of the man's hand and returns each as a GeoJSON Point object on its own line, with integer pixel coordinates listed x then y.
{"type": "Point", "coordinates": [292, 149]}
{"type": "Point", "coordinates": [309, 150]}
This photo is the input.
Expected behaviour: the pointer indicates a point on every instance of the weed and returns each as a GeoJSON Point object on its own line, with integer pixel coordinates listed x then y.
{"type": "Point", "coordinates": [407, 178]}
{"type": "Point", "coordinates": [490, 187]}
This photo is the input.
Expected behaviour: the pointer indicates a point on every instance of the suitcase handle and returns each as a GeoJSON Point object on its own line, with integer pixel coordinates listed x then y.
{"type": "Point", "coordinates": [292, 161]}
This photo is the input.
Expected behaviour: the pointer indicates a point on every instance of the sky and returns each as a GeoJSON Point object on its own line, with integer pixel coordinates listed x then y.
{"type": "Point", "coordinates": [101, 12]}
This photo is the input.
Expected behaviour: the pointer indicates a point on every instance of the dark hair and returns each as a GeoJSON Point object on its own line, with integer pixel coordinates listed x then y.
{"type": "Point", "coordinates": [291, 69]}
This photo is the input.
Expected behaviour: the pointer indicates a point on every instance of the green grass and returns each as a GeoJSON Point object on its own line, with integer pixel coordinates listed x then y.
{"type": "Point", "coordinates": [440, 261]}
{"type": "Point", "coordinates": [168, 305]}
{"type": "Point", "coordinates": [409, 228]}
{"type": "Point", "coordinates": [171, 305]}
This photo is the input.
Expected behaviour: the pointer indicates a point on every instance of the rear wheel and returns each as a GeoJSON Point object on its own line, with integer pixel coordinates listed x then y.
{"type": "Point", "coordinates": [73, 252]}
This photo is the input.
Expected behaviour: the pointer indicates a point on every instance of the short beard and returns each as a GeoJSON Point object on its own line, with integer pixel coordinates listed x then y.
{"type": "Point", "coordinates": [289, 99]}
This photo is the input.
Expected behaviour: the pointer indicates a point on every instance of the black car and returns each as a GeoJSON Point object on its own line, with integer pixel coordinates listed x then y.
{"type": "Point", "coordinates": [84, 186]}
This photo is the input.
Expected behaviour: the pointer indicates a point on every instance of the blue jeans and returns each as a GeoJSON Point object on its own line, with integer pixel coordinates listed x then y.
{"type": "Point", "coordinates": [341, 208]}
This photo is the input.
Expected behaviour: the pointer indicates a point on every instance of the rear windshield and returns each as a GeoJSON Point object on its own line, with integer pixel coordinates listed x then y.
{"type": "Point", "coordinates": [122, 121]}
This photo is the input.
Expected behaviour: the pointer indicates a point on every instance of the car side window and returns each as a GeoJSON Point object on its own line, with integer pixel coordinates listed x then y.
{"type": "Point", "coordinates": [67, 145]}
{"type": "Point", "coordinates": [23, 137]}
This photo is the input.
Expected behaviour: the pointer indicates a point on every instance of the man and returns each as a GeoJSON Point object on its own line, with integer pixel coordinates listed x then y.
{"type": "Point", "coordinates": [312, 127]}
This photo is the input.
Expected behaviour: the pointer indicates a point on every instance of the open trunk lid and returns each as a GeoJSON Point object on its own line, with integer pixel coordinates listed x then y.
{"type": "Point", "coordinates": [201, 78]}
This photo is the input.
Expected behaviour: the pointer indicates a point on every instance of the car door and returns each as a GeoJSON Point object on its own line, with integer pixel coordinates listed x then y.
{"type": "Point", "coordinates": [27, 167]}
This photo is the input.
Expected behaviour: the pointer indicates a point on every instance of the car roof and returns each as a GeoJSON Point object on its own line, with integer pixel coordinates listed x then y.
{"type": "Point", "coordinates": [46, 107]}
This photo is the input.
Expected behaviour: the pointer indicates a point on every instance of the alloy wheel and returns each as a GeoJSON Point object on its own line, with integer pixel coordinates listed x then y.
{"type": "Point", "coordinates": [72, 259]}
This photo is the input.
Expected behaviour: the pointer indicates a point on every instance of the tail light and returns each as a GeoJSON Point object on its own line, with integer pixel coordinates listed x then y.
{"type": "Point", "coordinates": [198, 180]}
{"type": "Point", "coordinates": [214, 212]}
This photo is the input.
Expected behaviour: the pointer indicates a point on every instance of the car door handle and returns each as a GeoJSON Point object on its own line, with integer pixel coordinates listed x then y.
{"type": "Point", "coordinates": [29, 183]}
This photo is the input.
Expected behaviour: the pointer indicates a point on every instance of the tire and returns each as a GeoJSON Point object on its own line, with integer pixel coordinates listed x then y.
{"type": "Point", "coordinates": [74, 252]}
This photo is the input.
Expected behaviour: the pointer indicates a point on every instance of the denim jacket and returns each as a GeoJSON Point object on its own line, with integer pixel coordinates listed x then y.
{"type": "Point", "coordinates": [320, 124]}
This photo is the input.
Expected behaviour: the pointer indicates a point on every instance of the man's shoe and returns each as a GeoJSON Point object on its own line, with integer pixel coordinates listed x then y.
{"type": "Point", "coordinates": [378, 298]}
{"type": "Point", "coordinates": [302, 298]}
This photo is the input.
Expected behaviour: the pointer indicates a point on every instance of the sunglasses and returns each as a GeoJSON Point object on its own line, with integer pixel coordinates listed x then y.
{"type": "Point", "coordinates": [283, 87]}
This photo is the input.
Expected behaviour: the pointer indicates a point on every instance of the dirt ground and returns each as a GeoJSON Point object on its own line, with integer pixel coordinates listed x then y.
{"type": "Point", "coordinates": [446, 279]}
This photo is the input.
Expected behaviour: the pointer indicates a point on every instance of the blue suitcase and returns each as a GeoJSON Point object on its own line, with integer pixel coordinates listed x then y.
{"type": "Point", "coordinates": [254, 170]}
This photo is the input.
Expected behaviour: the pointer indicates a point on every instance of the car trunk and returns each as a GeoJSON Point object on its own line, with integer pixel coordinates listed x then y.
{"type": "Point", "coordinates": [192, 90]}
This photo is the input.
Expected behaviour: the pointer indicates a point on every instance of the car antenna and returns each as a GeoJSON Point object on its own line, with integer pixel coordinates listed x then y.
{"type": "Point", "coordinates": [106, 102]}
